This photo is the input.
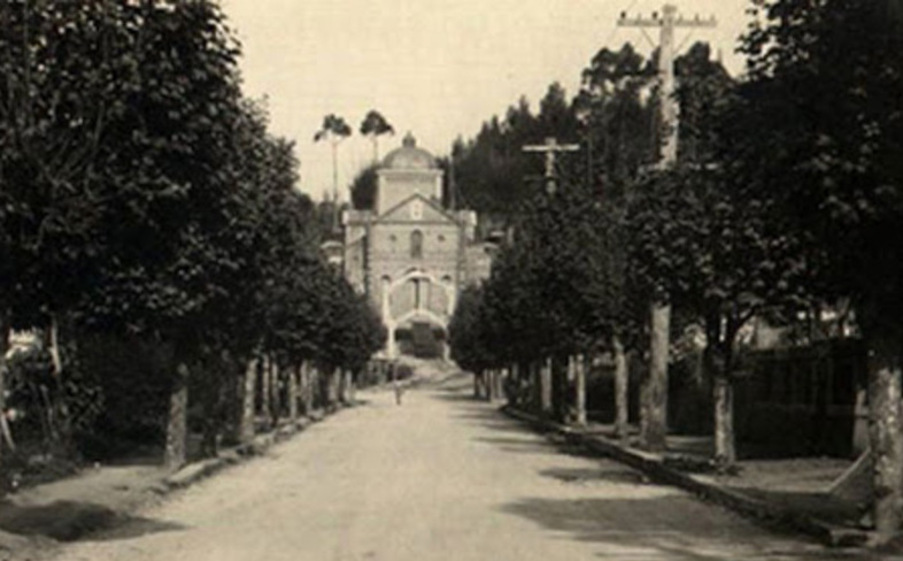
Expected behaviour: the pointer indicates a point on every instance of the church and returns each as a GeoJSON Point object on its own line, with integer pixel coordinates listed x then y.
{"type": "Point", "coordinates": [410, 255]}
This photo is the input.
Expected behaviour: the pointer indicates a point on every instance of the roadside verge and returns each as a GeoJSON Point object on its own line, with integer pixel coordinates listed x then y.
{"type": "Point", "coordinates": [36, 520]}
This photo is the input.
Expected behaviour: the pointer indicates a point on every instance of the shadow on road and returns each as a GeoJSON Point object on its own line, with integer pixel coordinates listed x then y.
{"type": "Point", "coordinates": [606, 474]}
{"type": "Point", "coordinates": [72, 520]}
{"type": "Point", "coordinates": [520, 445]}
{"type": "Point", "coordinates": [661, 527]}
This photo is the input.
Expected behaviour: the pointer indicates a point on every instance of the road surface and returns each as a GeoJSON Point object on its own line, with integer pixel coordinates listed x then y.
{"type": "Point", "coordinates": [440, 477]}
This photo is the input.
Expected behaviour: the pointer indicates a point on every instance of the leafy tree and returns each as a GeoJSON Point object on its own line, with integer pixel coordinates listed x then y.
{"type": "Point", "coordinates": [693, 237]}
{"type": "Point", "coordinates": [363, 188]}
{"type": "Point", "coordinates": [121, 166]}
{"type": "Point", "coordinates": [827, 88]}
{"type": "Point", "coordinates": [617, 118]}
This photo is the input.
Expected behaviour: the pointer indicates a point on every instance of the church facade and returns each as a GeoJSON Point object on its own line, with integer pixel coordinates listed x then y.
{"type": "Point", "coordinates": [409, 254]}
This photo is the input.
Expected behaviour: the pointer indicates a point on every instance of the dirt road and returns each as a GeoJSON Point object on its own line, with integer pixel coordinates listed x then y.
{"type": "Point", "coordinates": [439, 477]}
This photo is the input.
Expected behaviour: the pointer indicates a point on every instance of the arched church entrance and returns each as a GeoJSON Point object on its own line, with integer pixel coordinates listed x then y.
{"type": "Point", "coordinates": [416, 308]}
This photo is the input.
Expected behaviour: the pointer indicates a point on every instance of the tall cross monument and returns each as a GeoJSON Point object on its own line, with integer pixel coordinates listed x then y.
{"type": "Point", "coordinates": [551, 148]}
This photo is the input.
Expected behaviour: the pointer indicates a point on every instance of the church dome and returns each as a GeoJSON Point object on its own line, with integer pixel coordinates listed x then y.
{"type": "Point", "coordinates": [409, 156]}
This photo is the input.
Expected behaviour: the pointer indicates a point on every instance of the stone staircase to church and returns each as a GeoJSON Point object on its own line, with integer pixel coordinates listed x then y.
{"type": "Point", "coordinates": [424, 341]}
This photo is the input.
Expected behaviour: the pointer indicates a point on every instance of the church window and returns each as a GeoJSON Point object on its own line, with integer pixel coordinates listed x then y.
{"type": "Point", "coordinates": [416, 244]}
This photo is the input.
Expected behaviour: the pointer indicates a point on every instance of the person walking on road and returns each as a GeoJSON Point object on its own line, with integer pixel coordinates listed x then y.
{"type": "Point", "coordinates": [399, 390]}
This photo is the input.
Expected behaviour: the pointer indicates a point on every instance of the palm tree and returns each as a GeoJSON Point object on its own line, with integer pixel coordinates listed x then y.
{"type": "Point", "coordinates": [374, 125]}
{"type": "Point", "coordinates": [334, 130]}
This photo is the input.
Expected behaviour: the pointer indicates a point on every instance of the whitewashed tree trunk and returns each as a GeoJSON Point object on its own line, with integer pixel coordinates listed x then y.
{"type": "Point", "coordinates": [352, 387]}
{"type": "Point", "coordinates": [307, 395]}
{"type": "Point", "coordinates": [266, 381]}
{"type": "Point", "coordinates": [581, 366]}
{"type": "Point", "coordinates": [276, 409]}
{"type": "Point", "coordinates": [654, 394]}
{"type": "Point", "coordinates": [886, 441]}
{"type": "Point", "coordinates": [723, 396]}
{"type": "Point", "coordinates": [293, 375]}
{"type": "Point", "coordinates": [333, 378]}
{"type": "Point", "coordinates": [176, 452]}
{"type": "Point", "coordinates": [621, 389]}
{"type": "Point", "coordinates": [246, 424]}
{"type": "Point", "coordinates": [7, 435]}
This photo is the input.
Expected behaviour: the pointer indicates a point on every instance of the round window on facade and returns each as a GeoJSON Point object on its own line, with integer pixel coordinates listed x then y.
{"type": "Point", "coordinates": [441, 238]}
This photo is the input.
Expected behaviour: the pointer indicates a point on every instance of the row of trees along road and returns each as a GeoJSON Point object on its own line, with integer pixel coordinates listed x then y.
{"type": "Point", "coordinates": [142, 199]}
{"type": "Point", "coordinates": [787, 195]}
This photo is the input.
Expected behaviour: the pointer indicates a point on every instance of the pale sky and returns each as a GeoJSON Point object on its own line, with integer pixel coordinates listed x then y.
{"type": "Point", "coordinates": [437, 68]}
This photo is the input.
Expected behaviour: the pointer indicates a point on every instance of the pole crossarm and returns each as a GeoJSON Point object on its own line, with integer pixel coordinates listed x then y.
{"type": "Point", "coordinates": [654, 21]}
{"type": "Point", "coordinates": [667, 22]}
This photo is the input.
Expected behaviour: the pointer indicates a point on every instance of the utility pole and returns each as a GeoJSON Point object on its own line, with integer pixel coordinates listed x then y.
{"type": "Point", "coordinates": [654, 393]}
{"type": "Point", "coordinates": [551, 148]}
{"type": "Point", "coordinates": [667, 22]}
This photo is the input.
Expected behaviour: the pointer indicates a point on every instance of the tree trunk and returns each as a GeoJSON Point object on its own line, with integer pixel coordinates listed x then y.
{"type": "Point", "coordinates": [515, 384]}
{"type": "Point", "coordinates": [307, 396]}
{"type": "Point", "coordinates": [318, 397]}
{"type": "Point", "coordinates": [210, 403]}
{"type": "Point", "coordinates": [886, 442]}
{"type": "Point", "coordinates": [582, 365]}
{"type": "Point", "coordinates": [654, 393]}
{"type": "Point", "coordinates": [561, 388]}
{"type": "Point", "coordinates": [7, 435]}
{"type": "Point", "coordinates": [340, 386]}
{"type": "Point", "coordinates": [622, 426]}
{"type": "Point", "coordinates": [723, 396]}
{"type": "Point", "coordinates": [477, 393]}
{"type": "Point", "coordinates": [536, 386]}
{"type": "Point", "coordinates": [346, 386]}
{"type": "Point", "coordinates": [349, 387]}
{"type": "Point", "coordinates": [60, 421]}
{"type": "Point", "coordinates": [246, 422]}
{"type": "Point", "coordinates": [332, 387]}
{"type": "Point", "coordinates": [293, 374]}
{"type": "Point", "coordinates": [176, 451]}
{"type": "Point", "coordinates": [265, 391]}
{"type": "Point", "coordinates": [276, 410]}
{"type": "Point", "coordinates": [545, 387]}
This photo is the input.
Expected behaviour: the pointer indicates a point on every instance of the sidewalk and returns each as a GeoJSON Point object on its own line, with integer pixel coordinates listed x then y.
{"type": "Point", "coordinates": [783, 493]}
{"type": "Point", "coordinates": [36, 519]}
